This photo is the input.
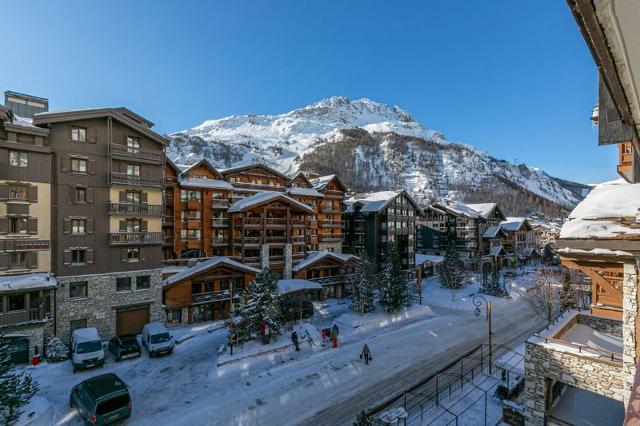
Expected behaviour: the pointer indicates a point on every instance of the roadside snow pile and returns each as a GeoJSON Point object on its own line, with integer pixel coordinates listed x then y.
{"type": "Point", "coordinates": [353, 321]}
{"type": "Point", "coordinates": [36, 412]}
{"type": "Point", "coordinates": [607, 212]}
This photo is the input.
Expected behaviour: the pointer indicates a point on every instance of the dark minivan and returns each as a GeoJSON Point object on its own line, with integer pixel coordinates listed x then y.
{"type": "Point", "coordinates": [101, 400]}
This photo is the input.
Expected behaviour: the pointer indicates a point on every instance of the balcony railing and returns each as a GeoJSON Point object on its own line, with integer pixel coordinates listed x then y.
{"type": "Point", "coordinates": [219, 222]}
{"type": "Point", "coordinates": [219, 241]}
{"type": "Point", "coordinates": [336, 279]}
{"type": "Point", "coordinates": [331, 224]}
{"type": "Point", "coordinates": [24, 316]}
{"type": "Point", "coordinates": [127, 209]}
{"type": "Point", "coordinates": [330, 209]}
{"type": "Point", "coordinates": [136, 153]}
{"type": "Point", "coordinates": [258, 186]}
{"type": "Point", "coordinates": [135, 238]}
{"type": "Point", "coordinates": [119, 178]}
{"type": "Point", "coordinates": [214, 296]}
{"type": "Point", "coordinates": [219, 203]}
{"type": "Point", "coordinates": [330, 238]}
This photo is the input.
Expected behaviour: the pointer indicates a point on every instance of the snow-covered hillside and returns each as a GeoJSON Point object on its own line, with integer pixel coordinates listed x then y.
{"type": "Point", "coordinates": [371, 145]}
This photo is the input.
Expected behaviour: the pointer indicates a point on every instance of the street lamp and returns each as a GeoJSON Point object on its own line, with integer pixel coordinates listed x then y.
{"type": "Point", "coordinates": [477, 302]}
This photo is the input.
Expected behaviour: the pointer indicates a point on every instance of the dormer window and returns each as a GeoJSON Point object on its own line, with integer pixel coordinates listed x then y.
{"type": "Point", "coordinates": [78, 134]}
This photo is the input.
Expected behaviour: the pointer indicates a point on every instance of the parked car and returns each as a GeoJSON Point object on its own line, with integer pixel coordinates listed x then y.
{"type": "Point", "coordinates": [101, 400]}
{"type": "Point", "coordinates": [123, 347]}
{"type": "Point", "coordinates": [86, 349]}
{"type": "Point", "coordinates": [157, 339]}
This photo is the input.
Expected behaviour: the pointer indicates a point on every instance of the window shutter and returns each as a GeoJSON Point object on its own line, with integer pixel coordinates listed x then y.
{"type": "Point", "coordinates": [123, 196]}
{"type": "Point", "coordinates": [32, 225]}
{"type": "Point", "coordinates": [4, 191]}
{"type": "Point", "coordinates": [32, 259]}
{"type": "Point", "coordinates": [91, 166]}
{"type": "Point", "coordinates": [33, 194]}
{"type": "Point", "coordinates": [66, 258]}
{"type": "Point", "coordinates": [123, 226]}
{"type": "Point", "coordinates": [4, 225]}
{"type": "Point", "coordinates": [90, 256]}
{"type": "Point", "coordinates": [65, 163]}
{"type": "Point", "coordinates": [90, 223]}
{"type": "Point", "coordinates": [66, 226]}
{"type": "Point", "coordinates": [143, 226]}
{"type": "Point", "coordinates": [144, 197]}
{"type": "Point", "coordinates": [4, 261]}
{"type": "Point", "coordinates": [72, 195]}
{"type": "Point", "coordinates": [91, 135]}
{"type": "Point", "coordinates": [91, 195]}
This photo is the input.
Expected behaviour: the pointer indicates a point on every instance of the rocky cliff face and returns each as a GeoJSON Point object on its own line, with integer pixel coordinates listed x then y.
{"type": "Point", "coordinates": [372, 146]}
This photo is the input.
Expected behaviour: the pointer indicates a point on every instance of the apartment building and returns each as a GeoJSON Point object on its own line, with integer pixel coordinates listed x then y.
{"type": "Point", "coordinates": [26, 286]}
{"type": "Point", "coordinates": [374, 221]}
{"type": "Point", "coordinates": [107, 206]}
{"type": "Point", "coordinates": [585, 366]}
{"type": "Point", "coordinates": [520, 241]}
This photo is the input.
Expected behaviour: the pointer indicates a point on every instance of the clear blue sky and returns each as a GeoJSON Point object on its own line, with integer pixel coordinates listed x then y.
{"type": "Point", "coordinates": [511, 77]}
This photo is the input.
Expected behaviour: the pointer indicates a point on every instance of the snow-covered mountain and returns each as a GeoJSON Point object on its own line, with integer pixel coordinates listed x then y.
{"type": "Point", "coordinates": [371, 146]}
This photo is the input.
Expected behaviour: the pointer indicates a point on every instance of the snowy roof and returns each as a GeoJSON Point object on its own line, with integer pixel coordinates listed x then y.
{"type": "Point", "coordinates": [460, 208]}
{"type": "Point", "coordinates": [291, 285]}
{"type": "Point", "coordinates": [376, 201]}
{"type": "Point", "coordinates": [497, 251]}
{"type": "Point", "coordinates": [424, 258]}
{"type": "Point", "coordinates": [207, 264]}
{"type": "Point", "coordinates": [205, 183]}
{"type": "Point", "coordinates": [265, 197]}
{"type": "Point", "coordinates": [491, 232]}
{"type": "Point", "coordinates": [611, 210]}
{"type": "Point", "coordinates": [250, 166]}
{"type": "Point", "coordinates": [309, 192]}
{"type": "Point", "coordinates": [27, 282]}
{"type": "Point", "coordinates": [596, 252]}
{"type": "Point", "coordinates": [321, 182]}
{"type": "Point", "coordinates": [513, 224]}
{"type": "Point", "coordinates": [315, 256]}
{"type": "Point", "coordinates": [202, 162]}
{"type": "Point", "coordinates": [484, 209]}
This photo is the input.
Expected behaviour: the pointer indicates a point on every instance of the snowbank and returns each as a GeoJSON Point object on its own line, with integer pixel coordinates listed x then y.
{"type": "Point", "coordinates": [352, 321]}
{"type": "Point", "coordinates": [36, 412]}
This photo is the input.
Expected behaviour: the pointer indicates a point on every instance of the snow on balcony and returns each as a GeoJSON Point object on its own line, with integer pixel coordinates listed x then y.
{"type": "Point", "coordinates": [583, 408]}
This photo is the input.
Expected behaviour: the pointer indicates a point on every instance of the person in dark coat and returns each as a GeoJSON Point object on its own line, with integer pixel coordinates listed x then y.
{"type": "Point", "coordinates": [365, 354]}
{"type": "Point", "coordinates": [294, 339]}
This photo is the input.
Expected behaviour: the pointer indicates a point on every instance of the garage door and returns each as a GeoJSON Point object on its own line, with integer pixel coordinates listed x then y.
{"type": "Point", "coordinates": [131, 321]}
{"type": "Point", "coordinates": [18, 349]}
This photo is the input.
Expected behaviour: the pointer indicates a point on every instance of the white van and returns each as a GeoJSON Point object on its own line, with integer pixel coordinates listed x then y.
{"type": "Point", "coordinates": [157, 339]}
{"type": "Point", "coordinates": [86, 348]}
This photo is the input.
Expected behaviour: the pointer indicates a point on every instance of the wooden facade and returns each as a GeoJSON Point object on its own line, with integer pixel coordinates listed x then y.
{"type": "Point", "coordinates": [332, 270]}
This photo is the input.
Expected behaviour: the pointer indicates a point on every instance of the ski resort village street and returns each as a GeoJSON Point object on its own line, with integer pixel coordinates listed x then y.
{"type": "Point", "coordinates": [274, 384]}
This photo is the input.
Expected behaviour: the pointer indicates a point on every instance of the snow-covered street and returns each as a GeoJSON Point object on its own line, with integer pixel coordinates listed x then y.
{"type": "Point", "coordinates": [319, 385]}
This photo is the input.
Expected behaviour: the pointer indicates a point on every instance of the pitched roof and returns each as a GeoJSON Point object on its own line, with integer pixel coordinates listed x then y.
{"type": "Point", "coordinates": [303, 176]}
{"type": "Point", "coordinates": [27, 282]}
{"type": "Point", "coordinates": [208, 264]}
{"type": "Point", "coordinates": [377, 201]}
{"type": "Point", "coordinates": [459, 209]}
{"type": "Point", "coordinates": [206, 163]}
{"type": "Point", "coordinates": [309, 192]}
{"type": "Point", "coordinates": [250, 166]}
{"type": "Point", "coordinates": [315, 256]}
{"type": "Point", "coordinates": [492, 232]}
{"type": "Point", "coordinates": [292, 285]}
{"type": "Point", "coordinates": [320, 183]}
{"type": "Point", "coordinates": [485, 209]}
{"type": "Point", "coordinates": [121, 114]}
{"type": "Point", "coordinates": [513, 224]}
{"type": "Point", "coordinates": [205, 183]}
{"type": "Point", "coordinates": [497, 251]}
{"type": "Point", "coordinates": [263, 197]}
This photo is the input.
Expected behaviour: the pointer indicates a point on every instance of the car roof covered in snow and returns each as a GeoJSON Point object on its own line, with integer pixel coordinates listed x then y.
{"type": "Point", "coordinates": [88, 334]}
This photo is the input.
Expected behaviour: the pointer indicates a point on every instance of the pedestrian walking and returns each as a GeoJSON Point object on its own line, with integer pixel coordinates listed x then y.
{"type": "Point", "coordinates": [294, 339]}
{"type": "Point", "coordinates": [366, 354]}
{"type": "Point", "coordinates": [334, 336]}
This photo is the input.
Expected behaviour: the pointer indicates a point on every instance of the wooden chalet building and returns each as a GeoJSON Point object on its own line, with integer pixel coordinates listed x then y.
{"type": "Point", "coordinates": [379, 219]}
{"type": "Point", "coordinates": [521, 239]}
{"type": "Point", "coordinates": [329, 213]}
{"type": "Point", "coordinates": [331, 269]}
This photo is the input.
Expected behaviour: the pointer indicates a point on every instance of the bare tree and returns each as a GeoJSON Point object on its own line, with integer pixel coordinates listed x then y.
{"type": "Point", "coordinates": [549, 297]}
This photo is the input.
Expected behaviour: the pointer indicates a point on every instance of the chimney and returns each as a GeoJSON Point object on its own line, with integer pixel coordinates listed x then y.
{"type": "Point", "coordinates": [25, 105]}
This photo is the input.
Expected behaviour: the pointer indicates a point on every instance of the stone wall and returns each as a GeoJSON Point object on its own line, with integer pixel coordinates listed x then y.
{"type": "Point", "coordinates": [99, 307]}
{"type": "Point", "coordinates": [629, 320]}
{"type": "Point", "coordinates": [601, 324]}
{"type": "Point", "coordinates": [35, 332]}
{"type": "Point", "coordinates": [584, 372]}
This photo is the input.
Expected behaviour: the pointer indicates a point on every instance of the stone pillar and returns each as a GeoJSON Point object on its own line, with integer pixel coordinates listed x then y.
{"type": "Point", "coordinates": [629, 326]}
{"type": "Point", "coordinates": [535, 389]}
{"type": "Point", "coordinates": [288, 261]}
{"type": "Point", "coordinates": [184, 316]}
{"type": "Point", "coordinates": [264, 256]}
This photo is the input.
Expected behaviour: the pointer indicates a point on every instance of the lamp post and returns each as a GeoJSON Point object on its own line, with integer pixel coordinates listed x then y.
{"type": "Point", "coordinates": [477, 302]}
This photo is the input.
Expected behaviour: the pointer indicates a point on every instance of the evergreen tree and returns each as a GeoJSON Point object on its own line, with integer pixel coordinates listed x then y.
{"type": "Point", "coordinates": [392, 292]}
{"type": "Point", "coordinates": [548, 254]}
{"type": "Point", "coordinates": [16, 389]}
{"type": "Point", "coordinates": [362, 419]}
{"type": "Point", "coordinates": [260, 304]}
{"type": "Point", "coordinates": [567, 294]}
{"type": "Point", "coordinates": [362, 286]}
{"type": "Point", "coordinates": [56, 351]}
{"type": "Point", "coordinates": [452, 271]}
{"type": "Point", "coordinates": [492, 284]}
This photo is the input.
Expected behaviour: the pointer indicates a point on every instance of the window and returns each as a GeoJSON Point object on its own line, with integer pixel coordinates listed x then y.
{"type": "Point", "coordinates": [192, 215]}
{"type": "Point", "coordinates": [133, 225]}
{"type": "Point", "coordinates": [133, 145]}
{"type": "Point", "coordinates": [18, 159]}
{"type": "Point", "coordinates": [18, 192]}
{"type": "Point", "coordinates": [17, 302]}
{"type": "Point", "coordinates": [81, 195]}
{"type": "Point", "coordinates": [79, 165]}
{"type": "Point", "coordinates": [18, 260]}
{"type": "Point", "coordinates": [78, 289]}
{"type": "Point", "coordinates": [133, 170]}
{"type": "Point", "coordinates": [78, 256]}
{"type": "Point", "coordinates": [190, 234]}
{"type": "Point", "coordinates": [133, 254]}
{"type": "Point", "coordinates": [78, 134]}
{"type": "Point", "coordinates": [78, 226]}
{"type": "Point", "coordinates": [133, 197]}
{"type": "Point", "coordinates": [143, 282]}
{"type": "Point", "coordinates": [18, 225]}
{"type": "Point", "coordinates": [187, 195]}
{"type": "Point", "coordinates": [123, 284]}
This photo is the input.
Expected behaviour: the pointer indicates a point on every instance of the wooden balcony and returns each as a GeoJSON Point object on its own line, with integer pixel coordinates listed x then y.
{"type": "Point", "coordinates": [192, 224]}
{"type": "Point", "coordinates": [258, 186]}
{"type": "Point", "coordinates": [24, 316]}
{"type": "Point", "coordinates": [219, 203]}
{"type": "Point", "coordinates": [330, 209]}
{"type": "Point", "coordinates": [219, 222]}
{"type": "Point", "coordinates": [124, 151]}
{"type": "Point", "coordinates": [625, 161]}
{"type": "Point", "coordinates": [214, 296]}
{"type": "Point", "coordinates": [133, 209]}
{"type": "Point", "coordinates": [329, 238]}
{"type": "Point", "coordinates": [136, 238]}
{"type": "Point", "coordinates": [331, 224]}
{"type": "Point", "coordinates": [248, 241]}
{"type": "Point", "coordinates": [219, 241]}
{"type": "Point", "coordinates": [194, 205]}
{"type": "Point", "coordinates": [118, 178]}
{"type": "Point", "coordinates": [333, 194]}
